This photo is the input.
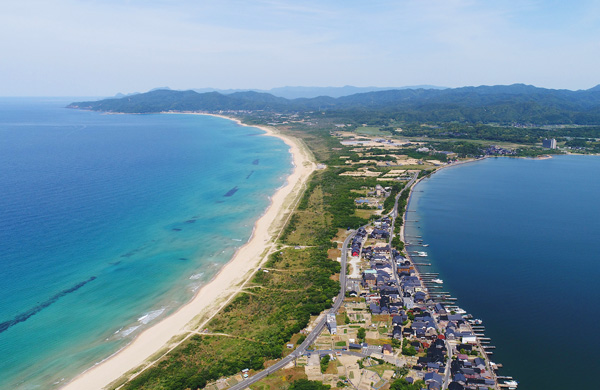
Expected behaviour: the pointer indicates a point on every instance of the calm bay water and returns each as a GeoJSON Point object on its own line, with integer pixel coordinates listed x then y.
{"type": "Point", "coordinates": [516, 241]}
{"type": "Point", "coordinates": [110, 222]}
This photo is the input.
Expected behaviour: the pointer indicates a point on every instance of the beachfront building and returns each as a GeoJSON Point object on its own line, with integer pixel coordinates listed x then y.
{"type": "Point", "coordinates": [549, 143]}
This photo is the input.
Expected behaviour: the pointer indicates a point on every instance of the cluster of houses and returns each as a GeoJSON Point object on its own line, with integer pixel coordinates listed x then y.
{"type": "Point", "coordinates": [494, 150]}
{"type": "Point", "coordinates": [378, 192]}
{"type": "Point", "coordinates": [390, 285]}
{"type": "Point", "coordinates": [470, 373]}
{"type": "Point", "coordinates": [357, 241]}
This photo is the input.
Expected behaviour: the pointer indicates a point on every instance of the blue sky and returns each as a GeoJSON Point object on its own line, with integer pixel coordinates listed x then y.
{"type": "Point", "coordinates": [101, 47]}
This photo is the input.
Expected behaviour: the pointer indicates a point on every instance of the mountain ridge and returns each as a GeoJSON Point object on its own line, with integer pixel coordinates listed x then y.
{"type": "Point", "coordinates": [482, 104]}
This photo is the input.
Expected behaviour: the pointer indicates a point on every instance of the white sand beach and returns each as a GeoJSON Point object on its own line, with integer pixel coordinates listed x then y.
{"type": "Point", "coordinates": [154, 342]}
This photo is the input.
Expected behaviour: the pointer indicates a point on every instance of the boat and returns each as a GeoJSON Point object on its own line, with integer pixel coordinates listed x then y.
{"type": "Point", "coordinates": [425, 245]}
{"type": "Point", "coordinates": [421, 254]}
{"type": "Point", "coordinates": [438, 281]}
{"type": "Point", "coordinates": [511, 384]}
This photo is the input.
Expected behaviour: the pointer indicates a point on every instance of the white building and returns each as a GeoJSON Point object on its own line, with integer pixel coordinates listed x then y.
{"type": "Point", "coordinates": [549, 143]}
{"type": "Point", "coordinates": [331, 323]}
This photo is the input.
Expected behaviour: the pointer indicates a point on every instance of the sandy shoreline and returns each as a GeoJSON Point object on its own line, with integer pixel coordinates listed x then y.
{"type": "Point", "coordinates": [172, 330]}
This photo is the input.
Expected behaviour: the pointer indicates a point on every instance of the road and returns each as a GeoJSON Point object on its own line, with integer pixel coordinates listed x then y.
{"type": "Point", "coordinates": [447, 378]}
{"type": "Point", "coordinates": [394, 212]}
{"type": "Point", "coordinates": [394, 215]}
{"type": "Point", "coordinates": [312, 336]}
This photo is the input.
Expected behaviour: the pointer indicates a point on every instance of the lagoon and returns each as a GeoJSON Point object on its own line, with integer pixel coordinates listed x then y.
{"type": "Point", "coordinates": [515, 240]}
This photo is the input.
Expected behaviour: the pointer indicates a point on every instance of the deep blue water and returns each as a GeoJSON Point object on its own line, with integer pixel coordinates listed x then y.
{"type": "Point", "coordinates": [516, 241]}
{"type": "Point", "coordinates": [110, 222]}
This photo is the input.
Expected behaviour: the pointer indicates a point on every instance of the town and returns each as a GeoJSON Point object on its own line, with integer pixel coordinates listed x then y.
{"type": "Point", "coordinates": [395, 323]}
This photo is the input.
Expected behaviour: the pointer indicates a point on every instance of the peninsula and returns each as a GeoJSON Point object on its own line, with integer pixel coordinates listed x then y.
{"type": "Point", "coordinates": [326, 291]}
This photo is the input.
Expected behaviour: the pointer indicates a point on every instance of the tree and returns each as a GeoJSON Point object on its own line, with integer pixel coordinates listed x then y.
{"type": "Point", "coordinates": [305, 384]}
{"type": "Point", "coordinates": [409, 351]}
{"type": "Point", "coordinates": [361, 334]}
{"type": "Point", "coordinates": [402, 384]}
{"type": "Point", "coordinates": [403, 371]}
{"type": "Point", "coordinates": [325, 363]}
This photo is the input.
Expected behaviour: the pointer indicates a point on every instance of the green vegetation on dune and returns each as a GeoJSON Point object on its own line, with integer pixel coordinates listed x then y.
{"type": "Point", "coordinates": [305, 384]}
{"type": "Point", "coordinates": [275, 305]}
{"type": "Point", "coordinates": [255, 326]}
{"type": "Point", "coordinates": [402, 384]}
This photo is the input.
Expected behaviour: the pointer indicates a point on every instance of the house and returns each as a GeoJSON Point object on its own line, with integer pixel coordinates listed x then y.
{"type": "Point", "coordinates": [381, 249]}
{"type": "Point", "coordinates": [434, 386]}
{"type": "Point", "coordinates": [370, 279]}
{"type": "Point", "coordinates": [399, 319]}
{"type": "Point", "coordinates": [408, 302]}
{"type": "Point", "coordinates": [387, 349]}
{"type": "Point", "coordinates": [455, 318]}
{"type": "Point", "coordinates": [380, 234]}
{"type": "Point", "coordinates": [433, 367]}
{"type": "Point", "coordinates": [469, 373]}
{"type": "Point", "coordinates": [420, 297]}
{"type": "Point", "coordinates": [374, 308]}
{"type": "Point", "coordinates": [440, 309]}
{"type": "Point", "coordinates": [331, 323]}
{"type": "Point", "coordinates": [466, 347]}
{"type": "Point", "coordinates": [460, 378]}
{"type": "Point", "coordinates": [455, 386]}
{"type": "Point", "coordinates": [431, 332]}
{"type": "Point", "coordinates": [433, 377]}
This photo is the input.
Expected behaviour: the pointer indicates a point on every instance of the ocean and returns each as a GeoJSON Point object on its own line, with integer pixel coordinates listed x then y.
{"type": "Point", "coordinates": [516, 241]}
{"type": "Point", "coordinates": [108, 223]}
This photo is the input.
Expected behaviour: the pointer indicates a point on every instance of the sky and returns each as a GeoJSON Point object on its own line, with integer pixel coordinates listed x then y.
{"type": "Point", "coordinates": [103, 47]}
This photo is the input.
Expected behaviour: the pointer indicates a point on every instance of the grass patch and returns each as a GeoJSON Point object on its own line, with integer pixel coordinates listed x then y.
{"type": "Point", "coordinates": [380, 368]}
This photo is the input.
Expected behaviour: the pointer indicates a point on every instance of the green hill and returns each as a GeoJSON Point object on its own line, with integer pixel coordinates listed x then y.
{"type": "Point", "coordinates": [485, 104]}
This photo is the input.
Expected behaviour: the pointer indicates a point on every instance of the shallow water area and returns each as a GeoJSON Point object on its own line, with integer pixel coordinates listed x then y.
{"type": "Point", "coordinates": [108, 223]}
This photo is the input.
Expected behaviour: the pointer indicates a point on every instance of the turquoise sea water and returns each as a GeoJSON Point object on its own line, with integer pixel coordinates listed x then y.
{"type": "Point", "coordinates": [516, 241]}
{"type": "Point", "coordinates": [110, 222]}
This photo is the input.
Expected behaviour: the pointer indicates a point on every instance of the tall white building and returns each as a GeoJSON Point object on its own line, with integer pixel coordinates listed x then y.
{"type": "Point", "coordinates": [549, 143]}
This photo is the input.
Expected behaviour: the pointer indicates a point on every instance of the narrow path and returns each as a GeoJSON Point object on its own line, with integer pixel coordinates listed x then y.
{"type": "Point", "coordinates": [312, 336]}
{"type": "Point", "coordinates": [226, 335]}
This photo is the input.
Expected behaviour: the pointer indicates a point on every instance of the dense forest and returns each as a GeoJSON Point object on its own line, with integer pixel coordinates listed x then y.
{"type": "Point", "coordinates": [505, 105]}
